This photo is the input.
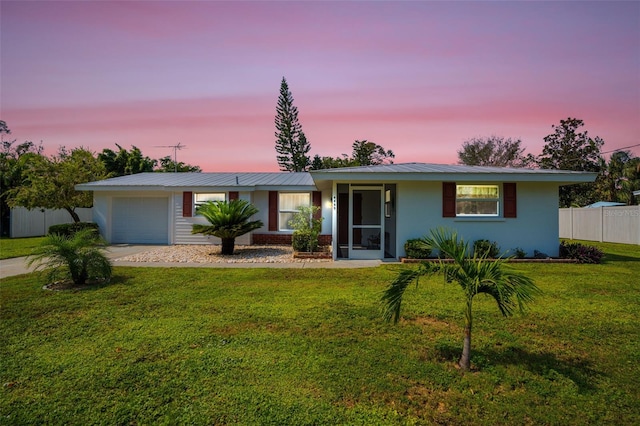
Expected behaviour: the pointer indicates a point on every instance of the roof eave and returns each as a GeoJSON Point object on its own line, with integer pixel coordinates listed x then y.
{"type": "Point", "coordinates": [227, 188]}
{"type": "Point", "coordinates": [559, 178]}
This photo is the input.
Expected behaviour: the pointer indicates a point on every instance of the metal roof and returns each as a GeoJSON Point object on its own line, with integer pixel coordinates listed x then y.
{"type": "Point", "coordinates": [304, 181]}
{"type": "Point", "coordinates": [452, 172]}
{"type": "Point", "coordinates": [222, 181]}
{"type": "Point", "coordinates": [439, 168]}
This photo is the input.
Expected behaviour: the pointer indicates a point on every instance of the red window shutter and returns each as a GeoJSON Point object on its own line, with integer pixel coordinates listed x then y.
{"type": "Point", "coordinates": [317, 202]}
{"type": "Point", "coordinates": [233, 195]}
{"type": "Point", "coordinates": [510, 200]}
{"type": "Point", "coordinates": [448, 199]}
{"type": "Point", "coordinates": [187, 204]}
{"type": "Point", "coordinates": [273, 210]}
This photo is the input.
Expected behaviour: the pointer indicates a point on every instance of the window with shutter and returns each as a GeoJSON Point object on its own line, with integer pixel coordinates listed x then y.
{"type": "Point", "coordinates": [448, 199]}
{"type": "Point", "coordinates": [510, 199]}
{"type": "Point", "coordinates": [187, 204]}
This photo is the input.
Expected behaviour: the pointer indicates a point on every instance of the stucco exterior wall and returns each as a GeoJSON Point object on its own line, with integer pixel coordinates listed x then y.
{"type": "Point", "coordinates": [536, 227]}
{"type": "Point", "coordinates": [102, 214]}
{"type": "Point", "coordinates": [261, 201]}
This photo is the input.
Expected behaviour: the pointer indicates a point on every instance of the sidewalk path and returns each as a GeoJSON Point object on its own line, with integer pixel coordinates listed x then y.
{"type": "Point", "coordinates": [17, 265]}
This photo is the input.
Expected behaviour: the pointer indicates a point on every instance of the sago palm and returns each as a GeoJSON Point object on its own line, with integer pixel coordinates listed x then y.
{"type": "Point", "coordinates": [79, 257]}
{"type": "Point", "coordinates": [475, 275]}
{"type": "Point", "coordinates": [228, 220]}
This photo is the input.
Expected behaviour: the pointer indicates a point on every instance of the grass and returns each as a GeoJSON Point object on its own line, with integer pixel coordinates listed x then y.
{"type": "Point", "coordinates": [273, 346]}
{"type": "Point", "coordinates": [17, 247]}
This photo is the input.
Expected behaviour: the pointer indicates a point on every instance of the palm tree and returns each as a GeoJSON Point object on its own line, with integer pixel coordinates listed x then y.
{"type": "Point", "coordinates": [228, 220]}
{"type": "Point", "coordinates": [475, 275]}
{"type": "Point", "coordinates": [78, 257]}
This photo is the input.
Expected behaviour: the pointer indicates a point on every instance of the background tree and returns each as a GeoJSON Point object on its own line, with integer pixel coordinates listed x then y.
{"type": "Point", "coordinates": [4, 129]}
{"type": "Point", "coordinates": [292, 145]}
{"type": "Point", "coordinates": [568, 149]}
{"type": "Point", "coordinates": [619, 178]}
{"type": "Point", "coordinates": [49, 183]}
{"type": "Point", "coordinates": [494, 151]}
{"type": "Point", "coordinates": [168, 165]}
{"type": "Point", "coordinates": [367, 153]}
{"type": "Point", "coordinates": [475, 275]}
{"type": "Point", "coordinates": [364, 153]}
{"type": "Point", "coordinates": [125, 162]}
{"type": "Point", "coordinates": [320, 163]}
{"type": "Point", "coordinates": [11, 168]}
{"type": "Point", "coordinates": [228, 220]}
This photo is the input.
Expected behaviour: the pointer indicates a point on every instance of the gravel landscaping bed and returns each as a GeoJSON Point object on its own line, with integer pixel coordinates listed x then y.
{"type": "Point", "coordinates": [211, 254]}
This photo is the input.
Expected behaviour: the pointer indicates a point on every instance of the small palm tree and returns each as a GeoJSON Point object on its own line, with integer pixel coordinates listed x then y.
{"type": "Point", "coordinates": [475, 275]}
{"type": "Point", "coordinates": [228, 220]}
{"type": "Point", "coordinates": [79, 257]}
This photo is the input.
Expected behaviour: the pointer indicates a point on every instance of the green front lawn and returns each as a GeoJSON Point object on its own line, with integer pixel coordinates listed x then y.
{"type": "Point", "coordinates": [17, 247]}
{"type": "Point", "coordinates": [307, 346]}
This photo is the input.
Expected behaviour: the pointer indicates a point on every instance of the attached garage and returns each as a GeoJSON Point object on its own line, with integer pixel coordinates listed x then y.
{"type": "Point", "coordinates": [140, 220]}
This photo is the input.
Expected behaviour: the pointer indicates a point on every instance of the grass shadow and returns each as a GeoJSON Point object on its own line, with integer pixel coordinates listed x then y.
{"type": "Point", "coordinates": [115, 280]}
{"type": "Point", "coordinates": [609, 257]}
{"type": "Point", "coordinates": [91, 286]}
{"type": "Point", "coordinates": [546, 364]}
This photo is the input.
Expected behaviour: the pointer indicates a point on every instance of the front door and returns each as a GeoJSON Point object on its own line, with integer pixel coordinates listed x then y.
{"type": "Point", "coordinates": [366, 239]}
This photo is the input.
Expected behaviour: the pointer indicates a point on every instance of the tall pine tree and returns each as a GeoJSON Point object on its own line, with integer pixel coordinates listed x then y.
{"type": "Point", "coordinates": [291, 143]}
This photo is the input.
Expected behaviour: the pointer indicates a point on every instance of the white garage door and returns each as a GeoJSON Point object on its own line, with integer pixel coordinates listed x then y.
{"type": "Point", "coordinates": [140, 221]}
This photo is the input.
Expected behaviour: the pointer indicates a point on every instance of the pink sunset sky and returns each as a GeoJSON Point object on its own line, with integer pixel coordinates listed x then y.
{"type": "Point", "coordinates": [415, 77]}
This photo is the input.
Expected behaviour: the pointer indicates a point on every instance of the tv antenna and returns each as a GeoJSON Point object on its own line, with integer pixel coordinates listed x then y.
{"type": "Point", "coordinates": [177, 147]}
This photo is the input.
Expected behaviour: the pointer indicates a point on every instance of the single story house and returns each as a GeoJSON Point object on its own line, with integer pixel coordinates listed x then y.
{"type": "Point", "coordinates": [368, 212]}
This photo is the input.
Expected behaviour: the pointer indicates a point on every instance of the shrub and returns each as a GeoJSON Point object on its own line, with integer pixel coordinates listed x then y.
{"type": "Point", "coordinates": [540, 255]}
{"type": "Point", "coordinates": [307, 227]}
{"type": "Point", "coordinates": [228, 220]}
{"type": "Point", "coordinates": [77, 258]}
{"type": "Point", "coordinates": [417, 248]}
{"type": "Point", "coordinates": [582, 253]}
{"type": "Point", "coordinates": [486, 248]}
{"type": "Point", "coordinates": [304, 241]}
{"type": "Point", "coordinates": [70, 229]}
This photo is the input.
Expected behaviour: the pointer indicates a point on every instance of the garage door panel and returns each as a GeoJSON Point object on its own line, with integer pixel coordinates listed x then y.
{"type": "Point", "coordinates": [140, 220]}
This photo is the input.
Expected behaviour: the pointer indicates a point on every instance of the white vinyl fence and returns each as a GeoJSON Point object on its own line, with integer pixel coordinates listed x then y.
{"type": "Point", "coordinates": [36, 222]}
{"type": "Point", "coordinates": [608, 224]}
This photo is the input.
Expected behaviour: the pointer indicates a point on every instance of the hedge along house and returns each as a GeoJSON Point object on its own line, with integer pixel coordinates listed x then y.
{"type": "Point", "coordinates": [369, 212]}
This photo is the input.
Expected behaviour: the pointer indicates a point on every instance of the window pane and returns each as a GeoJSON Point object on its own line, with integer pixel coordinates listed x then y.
{"type": "Point", "coordinates": [477, 191]}
{"type": "Point", "coordinates": [366, 238]}
{"type": "Point", "coordinates": [285, 218]}
{"type": "Point", "coordinates": [476, 207]}
{"type": "Point", "coordinates": [290, 202]}
{"type": "Point", "coordinates": [202, 197]}
{"type": "Point", "coordinates": [366, 207]}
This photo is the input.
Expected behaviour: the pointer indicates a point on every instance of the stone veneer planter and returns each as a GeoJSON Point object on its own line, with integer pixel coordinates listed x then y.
{"type": "Point", "coordinates": [324, 252]}
{"type": "Point", "coordinates": [314, 255]}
